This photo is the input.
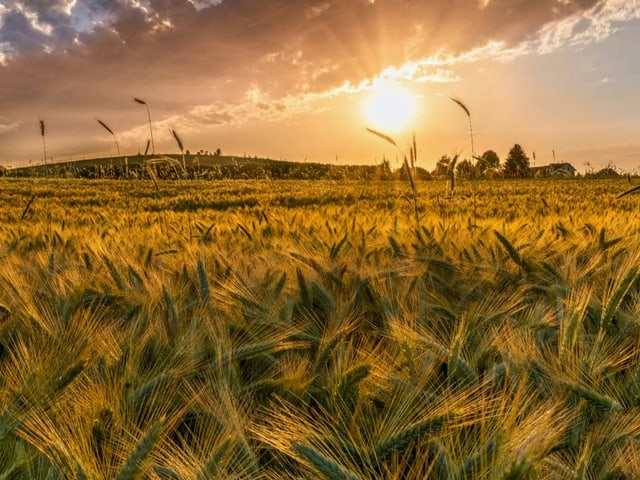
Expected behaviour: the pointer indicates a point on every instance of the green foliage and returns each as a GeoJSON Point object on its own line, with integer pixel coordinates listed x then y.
{"type": "Point", "coordinates": [466, 169]}
{"type": "Point", "coordinates": [517, 163]}
{"type": "Point", "coordinates": [488, 164]}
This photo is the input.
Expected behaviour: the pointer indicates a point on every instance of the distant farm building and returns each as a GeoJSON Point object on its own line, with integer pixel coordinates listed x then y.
{"type": "Point", "coordinates": [555, 170]}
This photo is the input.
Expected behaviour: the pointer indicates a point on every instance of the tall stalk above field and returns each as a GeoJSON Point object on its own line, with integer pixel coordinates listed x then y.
{"type": "Point", "coordinates": [44, 145]}
{"type": "Point", "coordinates": [106, 127]}
{"type": "Point", "coordinates": [466, 110]}
{"type": "Point", "coordinates": [142, 102]}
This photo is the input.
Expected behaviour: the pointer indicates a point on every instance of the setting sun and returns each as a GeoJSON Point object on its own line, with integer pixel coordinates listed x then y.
{"type": "Point", "coordinates": [390, 109]}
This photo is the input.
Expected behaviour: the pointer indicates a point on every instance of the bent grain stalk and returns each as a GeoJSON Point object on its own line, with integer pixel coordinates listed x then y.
{"type": "Point", "coordinates": [142, 102]}
{"type": "Point", "coordinates": [461, 104]}
{"type": "Point", "coordinates": [181, 147]}
{"type": "Point", "coordinates": [106, 127]}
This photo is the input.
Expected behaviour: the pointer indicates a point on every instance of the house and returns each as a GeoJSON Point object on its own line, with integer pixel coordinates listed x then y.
{"type": "Point", "coordinates": [539, 171]}
{"type": "Point", "coordinates": [554, 170]}
{"type": "Point", "coordinates": [561, 170]}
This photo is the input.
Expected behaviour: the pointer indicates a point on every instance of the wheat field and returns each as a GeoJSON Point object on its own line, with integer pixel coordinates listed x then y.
{"type": "Point", "coordinates": [303, 330]}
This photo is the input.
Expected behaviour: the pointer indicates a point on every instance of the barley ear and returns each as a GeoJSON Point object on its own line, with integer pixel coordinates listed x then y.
{"type": "Point", "coordinates": [401, 440]}
{"type": "Point", "coordinates": [511, 250]}
{"type": "Point", "coordinates": [203, 281]}
{"type": "Point", "coordinates": [212, 466]}
{"type": "Point", "coordinates": [350, 384]}
{"type": "Point", "coordinates": [329, 468]}
{"type": "Point", "coordinates": [171, 321]}
{"type": "Point", "coordinates": [117, 279]}
{"type": "Point", "coordinates": [104, 125]}
{"type": "Point", "coordinates": [629, 192]}
{"type": "Point", "coordinates": [134, 464]}
{"type": "Point", "coordinates": [27, 207]}
{"type": "Point", "coordinates": [178, 140]}
{"type": "Point", "coordinates": [383, 136]}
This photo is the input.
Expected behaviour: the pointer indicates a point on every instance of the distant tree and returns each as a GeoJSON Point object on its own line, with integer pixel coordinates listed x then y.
{"type": "Point", "coordinates": [384, 170]}
{"type": "Point", "coordinates": [466, 169]}
{"type": "Point", "coordinates": [609, 171]}
{"type": "Point", "coordinates": [517, 163]}
{"type": "Point", "coordinates": [421, 174]}
{"type": "Point", "coordinates": [488, 164]}
{"type": "Point", "coordinates": [218, 152]}
{"type": "Point", "coordinates": [442, 166]}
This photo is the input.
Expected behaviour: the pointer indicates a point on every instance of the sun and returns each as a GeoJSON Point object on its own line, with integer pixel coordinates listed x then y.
{"type": "Point", "coordinates": [390, 109]}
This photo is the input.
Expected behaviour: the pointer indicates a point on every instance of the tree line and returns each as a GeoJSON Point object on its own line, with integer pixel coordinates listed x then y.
{"type": "Point", "coordinates": [217, 166]}
{"type": "Point", "coordinates": [487, 165]}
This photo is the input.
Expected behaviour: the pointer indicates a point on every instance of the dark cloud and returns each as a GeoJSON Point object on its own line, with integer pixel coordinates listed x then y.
{"type": "Point", "coordinates": [275, 38]}
{"type": "Point", "coordinates": [101, 53]}
{"type": "Point", "coordinates": [19, 35]}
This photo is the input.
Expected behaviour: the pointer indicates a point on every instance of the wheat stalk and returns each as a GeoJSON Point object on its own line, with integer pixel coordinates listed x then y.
{"type": "Point", "coordinates": [132, 467]}
{"type": "Point", "coordinates": [409, 165]}
{"type": "Point", "coordinates": [325, 465]}
{"type": "Point", "coordinates": [27, 207]}
{"type": "Point", "coordinates": [106, 127]}
{"type": "Point", "coordinates": [181, 147]}
{"type": "Point", "coordinates": [385, 137]}
{"type": "Point", "coordinates": [461, 104]}
{"type": "Point", "coordinates": [44, 145]}
{"type": "Point", "coordinates": [203, 282]}
{"type": "Point", "coordinates": [171, 319]}
{"type": "Point", "coordinates": [401, 440]}
{"type": "Point", "coordinates": [142, 102]}
{"type": "Point", "coordinates": [451, 172]}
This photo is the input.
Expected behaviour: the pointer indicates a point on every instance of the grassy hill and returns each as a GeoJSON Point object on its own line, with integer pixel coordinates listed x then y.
{"type": "Point", "coordinates": [175, 166]}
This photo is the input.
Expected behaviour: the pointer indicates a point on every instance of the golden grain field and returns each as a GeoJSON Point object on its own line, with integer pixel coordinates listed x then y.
{"type": "Point", "coordinates": [303, 330]}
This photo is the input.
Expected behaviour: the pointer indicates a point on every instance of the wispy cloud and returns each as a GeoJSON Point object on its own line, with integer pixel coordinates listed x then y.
{"type": "Point", "coordinates": [581, 28]}
{"type": "Point", "coordinates": [6, 127]}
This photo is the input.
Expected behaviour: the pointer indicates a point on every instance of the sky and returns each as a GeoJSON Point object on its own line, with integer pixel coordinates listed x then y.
{"type": "Point", "coordinates": [302, 80]}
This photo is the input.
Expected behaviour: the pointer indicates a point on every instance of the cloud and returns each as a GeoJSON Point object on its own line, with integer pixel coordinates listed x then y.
{"type": "Point", "coordinates": [200, 4]}
{"type": "Point", "coordinates": [7, 126]}
{"type": "Point", "coordinates": [198, 60]}
{"type": "Point", "coordinates": [354, 37]}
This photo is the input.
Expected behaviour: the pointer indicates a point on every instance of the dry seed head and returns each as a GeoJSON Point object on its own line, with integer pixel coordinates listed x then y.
{"type": "Point", "coordinates": [104, 125]}
{"type": "Point", "coordinates": [383, 136]}
{"type": "Point", "coordinates": [178, 140]}
{"type": "Point", "coordinates": [462, 105]}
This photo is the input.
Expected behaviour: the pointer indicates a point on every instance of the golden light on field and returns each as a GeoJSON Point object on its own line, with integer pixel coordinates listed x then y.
{"type": "Point", "coordinates": [390, 108]}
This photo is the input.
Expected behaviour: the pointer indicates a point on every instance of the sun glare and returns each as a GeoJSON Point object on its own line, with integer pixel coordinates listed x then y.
{"type": "Point", "coordinates": [390, 109]}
